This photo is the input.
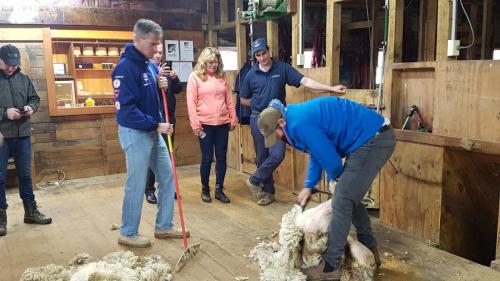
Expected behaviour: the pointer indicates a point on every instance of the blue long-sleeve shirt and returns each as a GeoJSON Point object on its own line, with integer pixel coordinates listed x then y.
{"type": "Point", "coordinates": [136, 95]}
{"type": "Point", "coordinates": [329, 128]}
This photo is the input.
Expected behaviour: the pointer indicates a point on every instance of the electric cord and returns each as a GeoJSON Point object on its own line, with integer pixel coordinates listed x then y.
{"type": "Point", "coordinates": [471, 28]}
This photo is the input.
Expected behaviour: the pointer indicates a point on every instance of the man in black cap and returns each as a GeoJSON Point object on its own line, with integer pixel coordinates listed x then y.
{"type": "Point", "coordinates": [18, 101]}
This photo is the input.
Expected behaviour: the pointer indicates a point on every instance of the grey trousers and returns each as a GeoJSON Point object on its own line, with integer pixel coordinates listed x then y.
{"type": "Point", "coordinates": [360, 169]}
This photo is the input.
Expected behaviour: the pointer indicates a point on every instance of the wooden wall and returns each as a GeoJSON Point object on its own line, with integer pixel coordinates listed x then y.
{"type": "Point", "coordinates": [87, 145]}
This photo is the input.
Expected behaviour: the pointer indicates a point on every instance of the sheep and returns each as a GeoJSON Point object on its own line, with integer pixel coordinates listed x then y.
{"type": "Point", "coordinates": [302, 239]}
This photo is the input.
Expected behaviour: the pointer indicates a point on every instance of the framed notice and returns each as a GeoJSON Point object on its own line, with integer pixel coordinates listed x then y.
{"type": "Point", "coordinates": [186, 50]}
{"type": "Point", "coordinates": [172, 50]}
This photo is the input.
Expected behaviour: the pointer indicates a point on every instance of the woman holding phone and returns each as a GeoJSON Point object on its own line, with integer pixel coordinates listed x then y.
{"type": "Point", "coordinates": [212, 115]}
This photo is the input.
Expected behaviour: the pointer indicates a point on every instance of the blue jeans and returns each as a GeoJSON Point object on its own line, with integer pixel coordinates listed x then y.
{"type": "Point", "coordinates": [144, 150]}
{"type": "Point", "coordinates": [151, 179]}
{"type": "Point", "coordinates": [217, 138]}
{"type": "Point", "coordinates": [268, 159]}
{"type": "Point", "coordinates": [360, 168]}
{"type": "Point", "coordinates": [20, 150]}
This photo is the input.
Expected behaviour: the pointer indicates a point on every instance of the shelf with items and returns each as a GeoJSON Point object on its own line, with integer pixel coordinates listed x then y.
{"type": "Point", "coordinates": [84, 71]}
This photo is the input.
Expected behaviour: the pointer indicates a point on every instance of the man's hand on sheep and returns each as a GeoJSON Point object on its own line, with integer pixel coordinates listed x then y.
{"type": "Point", "coordinates": [304, 196]}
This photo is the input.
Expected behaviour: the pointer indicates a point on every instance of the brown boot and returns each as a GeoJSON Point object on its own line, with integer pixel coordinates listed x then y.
{"type": "Point", "coordinates": [316, 273]}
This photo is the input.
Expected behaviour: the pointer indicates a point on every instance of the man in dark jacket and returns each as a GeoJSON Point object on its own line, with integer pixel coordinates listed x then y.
{"type": "Point", "coordinates": [174, 87]}
{"type": "Point", "coordinates": [135, 80]}
{"type": "Point", "coordinates": [329, 129]}
{"type": "Point", "coordinates": [18, 101]}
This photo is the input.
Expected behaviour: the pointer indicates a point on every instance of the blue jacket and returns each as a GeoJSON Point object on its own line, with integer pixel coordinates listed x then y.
{"type": "Point", "coordinates": [329, 128]}
{"type": "Point", "coordinates": [136, 95]}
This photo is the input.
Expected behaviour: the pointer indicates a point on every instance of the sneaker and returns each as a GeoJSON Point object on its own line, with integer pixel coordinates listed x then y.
{"type": "Point", "coordinates": [151, 198]}
{"type": "Point", "coordinates": [255, 190]}
{"type": "Point", "coordinates": [137, 241]}
{"type": "Point", "coordinates": [315, 273]}
{"type": "Point", "coordinates": [174, 232]}
{"type": "Point", "coordinates": [265, 199]}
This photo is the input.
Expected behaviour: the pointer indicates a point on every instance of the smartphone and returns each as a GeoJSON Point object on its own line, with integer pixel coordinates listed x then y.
{"type": "Point", "coordinates": [167, 66]}
{"type": "Point", "coordinates": [22, 110]}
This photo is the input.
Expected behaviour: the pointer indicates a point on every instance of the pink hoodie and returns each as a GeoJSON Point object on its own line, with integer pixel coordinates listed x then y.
{"type": "Point", "coordinates": [209, 102]}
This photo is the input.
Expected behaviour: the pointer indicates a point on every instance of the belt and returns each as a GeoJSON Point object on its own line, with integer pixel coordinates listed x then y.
{"type": "Point", "coordinates": [383, 129]}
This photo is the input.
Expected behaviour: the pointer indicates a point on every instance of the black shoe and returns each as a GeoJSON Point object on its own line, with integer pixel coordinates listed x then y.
{"type": "Point", "coordinates": [378, 262]}
{"type": "Point", "coordinates": [219, 194]}
{"type": "Point", "coordinates": [32, 215]}
{"type": "Point", "coordinates": [151, 198]}
{"type": "Point", "coordinates": [3, 222]}
{"type": "Point", "coordinates": [205, 194]}
{"type": "Point", "coordinates": [175, 196]}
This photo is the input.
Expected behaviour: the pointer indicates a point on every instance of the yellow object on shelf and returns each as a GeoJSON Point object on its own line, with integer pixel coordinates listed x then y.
{"type": "Point", "coordinates": [89, 101]}
{"type": "Point", "coordinates": [101, 51]}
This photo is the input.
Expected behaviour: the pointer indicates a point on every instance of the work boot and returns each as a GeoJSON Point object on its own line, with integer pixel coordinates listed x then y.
{"type": "Point", "coordinates": [205, 194]}
{"type": "Point", "coordinates": [32, 215]}
{"type": "Point", "coordinates": [255, 189]}
{"type": "Point", "coordinates": [174, 232]}
{"type": "Point", "coordinates": [137, 241]}
{"type": "Point", "coordinates": [315, 273]}
{"type": "Point", "coordinates": [3, 222]}
{"type": "Point", "coordinates": [265, 198]}
{"type": "Point", "coordinates": [219, 194]}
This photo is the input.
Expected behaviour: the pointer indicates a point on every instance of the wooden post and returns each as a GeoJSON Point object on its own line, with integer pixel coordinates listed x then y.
{"type": "Point", "coordinates": [295, 38]}
{"type": "Point", "coordinates": [486, 49]}
{"type": "Point", "coordinates": [223, 12]}
{"type": "Point", "coordinates": [333, 28]}
{"type": "Point", "coordinates": [272, 38]}
{"type": "Point", "coordinates": [241, 36]}
{"type": "Point", "coordinates": [394, 50]}
{"type": "Point", "coordinates": [443, 30]}
{"type": "Point", "coordinates": [212, 35]}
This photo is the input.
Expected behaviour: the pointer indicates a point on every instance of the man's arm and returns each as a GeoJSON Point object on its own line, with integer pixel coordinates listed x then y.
{"type": "Point", "coordinates": [246, 102]}
{"type": "Point", "coordinates": [33, 99]}
{"type": "Point", "coordinates": [338, 90]}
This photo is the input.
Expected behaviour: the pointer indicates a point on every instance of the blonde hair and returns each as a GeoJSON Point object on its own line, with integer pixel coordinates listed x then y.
{"type": "Point", "coordinates": [209, 54]}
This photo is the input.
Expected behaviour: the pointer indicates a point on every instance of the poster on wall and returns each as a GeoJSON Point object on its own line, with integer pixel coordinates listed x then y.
{"type": "Point", "coordinates": [183, 70]}
{"type": "Point", "coordinates": [172, 50]}
{"type": "Point", "coordinates": [187, 53]}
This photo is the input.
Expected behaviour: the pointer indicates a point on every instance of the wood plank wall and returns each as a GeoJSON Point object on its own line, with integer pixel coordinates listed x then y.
{"type": "Point", "coordinates": [87, 145]}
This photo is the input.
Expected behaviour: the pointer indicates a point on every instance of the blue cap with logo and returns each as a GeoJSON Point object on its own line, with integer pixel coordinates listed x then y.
{"type": "Point", "coordinates": [258, 44]}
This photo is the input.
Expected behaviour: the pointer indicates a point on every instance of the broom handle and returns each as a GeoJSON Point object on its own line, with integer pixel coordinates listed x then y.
{"type": "Point", "coordinates": [171, 150]}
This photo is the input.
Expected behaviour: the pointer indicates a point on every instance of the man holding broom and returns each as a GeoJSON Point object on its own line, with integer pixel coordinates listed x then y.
{"type": "Point", "coordinates": [135, 80]}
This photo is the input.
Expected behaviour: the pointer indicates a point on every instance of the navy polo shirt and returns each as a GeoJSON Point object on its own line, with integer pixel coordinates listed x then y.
{"type": "Point", "coordinates": [262, 87]}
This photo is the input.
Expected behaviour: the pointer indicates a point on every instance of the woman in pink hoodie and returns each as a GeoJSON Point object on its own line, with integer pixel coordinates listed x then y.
{"type": "Point", "coordinates": [212, 115]}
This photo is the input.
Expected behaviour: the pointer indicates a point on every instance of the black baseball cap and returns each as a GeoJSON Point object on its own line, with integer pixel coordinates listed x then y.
{"type": "Point", "coordinates": [10, 55]}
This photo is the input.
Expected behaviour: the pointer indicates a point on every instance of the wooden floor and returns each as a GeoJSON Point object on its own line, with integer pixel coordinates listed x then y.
{"type": "Point", "coordinates": [85, 209]}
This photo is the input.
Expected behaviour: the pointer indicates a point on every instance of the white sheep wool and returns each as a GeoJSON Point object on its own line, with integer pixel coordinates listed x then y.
{"type": "Point", "coordinates": [302, 239]}
{"type": "Point", "coordinates": [280, 261]}
{"type": "Point", "coordinates": [116, 266]}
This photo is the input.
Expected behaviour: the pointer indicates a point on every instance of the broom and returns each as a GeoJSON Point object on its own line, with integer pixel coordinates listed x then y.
{"type": "Point", "coordinates": [189, 251]}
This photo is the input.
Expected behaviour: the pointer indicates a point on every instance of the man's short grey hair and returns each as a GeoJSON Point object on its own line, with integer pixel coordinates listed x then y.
{"type": "Point", "coordinates": [144, 26]}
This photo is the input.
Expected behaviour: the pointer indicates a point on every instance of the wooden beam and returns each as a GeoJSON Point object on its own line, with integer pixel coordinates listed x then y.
{"type": "Point", "coordinates": [480, 146]}
{"type": "Point", "coordinates": [225, 25]}
{"type": "Point", "coordinates": [272, 38]}
{"type": "Point", "coordinates": [241, 36]}
{"type": "Point", "coordinates": [91, 34]}
{"type": "Point", "coordinates": [443, 30]}
{"type": "Point", "coordinates": [21, 34]}
{"type": "Point", "coordinates": [295, 38]}
{"type": "Point", "coordinates": [357, 25]}
{"type": "Point", "coordinates": [224, 11]}
{"type": "Point", "coordinates": [333, 31]}
{"type": "Point", "coordinates": [395, 32]}
{"type": "Point", "coordinates": [473, 14]}
{"type": "Point", "coordinates": [211, 34]}
{"type": "Point", "coordinates": [486, 48]}
{"type": "Point", "coordinates": [394, 50]}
